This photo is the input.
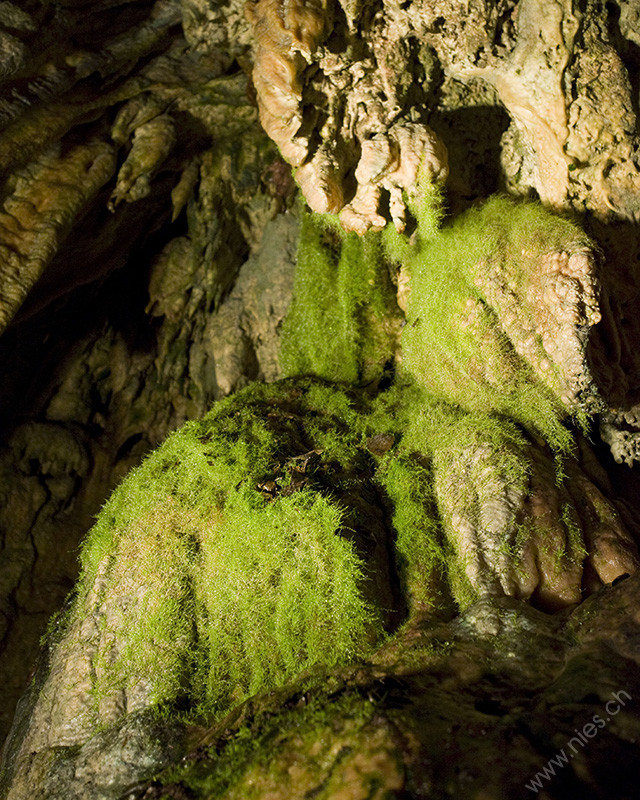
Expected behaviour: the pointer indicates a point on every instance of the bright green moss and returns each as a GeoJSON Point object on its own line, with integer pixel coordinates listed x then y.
{"type": "Point", "coordinates": [426, 204]}
{"type": "Point", "coordinates": [217, 588]}
{"type": "Point", "coordinates": [431, 435]}
{"type": "Point", "coordinates": [405, 476]}
{"type": "Point", "coordinates": [440, 428]}
{"type": "Point", "coordinates": [453, 344]}
{"type": "Point", "coordinates": [279, 591]}
{"type": "Point", "coordinates": [343, 323]}
{"type": "Point", "coordinates": [463, 386]}
{"type": "Point", "coordinates": [232, 572]}
{"type": "Point", "coordinates": [445, 432]}
{"type": "Point", "coordinates": [421, 557]}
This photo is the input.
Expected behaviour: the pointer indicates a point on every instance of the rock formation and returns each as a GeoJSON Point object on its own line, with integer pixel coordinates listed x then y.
{"type": "Point", "coordinates": [156, 256]}
{"type": "Point", "coordinates": [341, 99]}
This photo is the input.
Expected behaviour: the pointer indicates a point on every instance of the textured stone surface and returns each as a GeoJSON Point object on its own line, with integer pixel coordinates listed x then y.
{"type": "Point", "coordinates": [549, 316]}
{"type": "Point", "coordinates": [621, 431]}
{"type": "Point", "coordinates": [44, 200]}
{"type": "Point", "coordinates": [547, 541]}
{"type": "Point", "coordinates": [77, 691]}
{"type": "Point", "coordinates": [552, 541]}
{"type": "Point", "coordinates": [334, 87]}
{"type": "Point", "coordinates": [476, 707]}
{"type": "Point", "coordinates": [339, 92]}
{"type": "Point", "coordinates": [123, 313]}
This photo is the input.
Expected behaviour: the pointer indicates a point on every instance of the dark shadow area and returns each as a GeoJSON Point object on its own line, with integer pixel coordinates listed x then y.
{"type": "Point", "coordinates": [85, 288]}
{"type": "Point", "coordinates": [614, 347]}
{"type": "Point", "coordinates": [627, 49]}
{"type": "Point", "coordinates": [473, 138]}
{"type": "Point", "coordinates": [623, 488]}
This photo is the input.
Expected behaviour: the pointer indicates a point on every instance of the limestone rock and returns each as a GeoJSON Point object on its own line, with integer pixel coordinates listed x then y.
{"type": "Point", "coordinates": [115, 312]}
{"type": "Point", "coordinates": [536, 538]}
{"type": "Point", "coordinates": [152, 143]}
{"type": "Point", "coordinates": [521, 291]}
{"type": "Point", "coordinates": [244, 335]}
{"type": "Point", "coordinates": [54, 474]}
{"type": "Point", "coordinates": [620, 429]}
{"type": "Point", "coordinates": [333, 95]}
{"type": "Point", "coordinates": [44, 201]}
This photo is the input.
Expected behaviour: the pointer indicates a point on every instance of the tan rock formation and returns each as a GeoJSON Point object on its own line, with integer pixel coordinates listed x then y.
{"type": "Point", "coordinates": [334, 114]}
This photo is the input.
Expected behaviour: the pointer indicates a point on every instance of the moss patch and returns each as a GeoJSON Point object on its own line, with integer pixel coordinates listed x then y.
{"type": "Point", "coordinates": [246, 766]}
{"type": "Point", "coordinates": [453, 344]}
{"type": "Point", "coordinates": [461, 385]}
{"type": "Point", "coordinates": [343, 324]}
{"type": "Point", "coordinates": [264, 538]}
{"type": "Point", "coordinates": [231, 559]}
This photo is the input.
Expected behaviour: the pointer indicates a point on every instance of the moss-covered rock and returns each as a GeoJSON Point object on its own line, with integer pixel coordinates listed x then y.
{"type": "Point", "coordinates": [492, 371]}
{"type": "Point", "coordinates": [344, 323]}
{"type": "Point", "coordinates": [239, 553]}
{"type": "Point", "coordinates": [501, 307]}
{"type": "Point", "coordinates": [434, 712]}
{"type": "Point", "coordinates": [252, 545]}
{"type": "Point", "coordinates": [298, 524]}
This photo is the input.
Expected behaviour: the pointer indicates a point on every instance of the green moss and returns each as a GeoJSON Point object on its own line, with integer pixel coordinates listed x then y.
{"type": "Point", "coordinates": [248, 761]}
{"type": "Point", "coordinates": [233, 568]}
{"type": "Point", "coordinates": [343, 319]}
{"type": "Point", "coordinates": [218, 588]}
{"type": "Point", "coordinates": [463, 385]}
{"type": "Point", "coordinates": [405, 476]}
{"type": "Point", "coordinates": [287, 596]}
{"type": "Point", "coordinates": [575, 551]}
{"type": "Point", "coordinates": [343, 323]}
{"type": "Point", "coordinates": [426, 204]}
{"type": "Point", "coordinates": [431, 437]}
{"type": "Point", "coordinates": [420, 556]}
{"type": "Point", "coordinates": [453, 344]}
